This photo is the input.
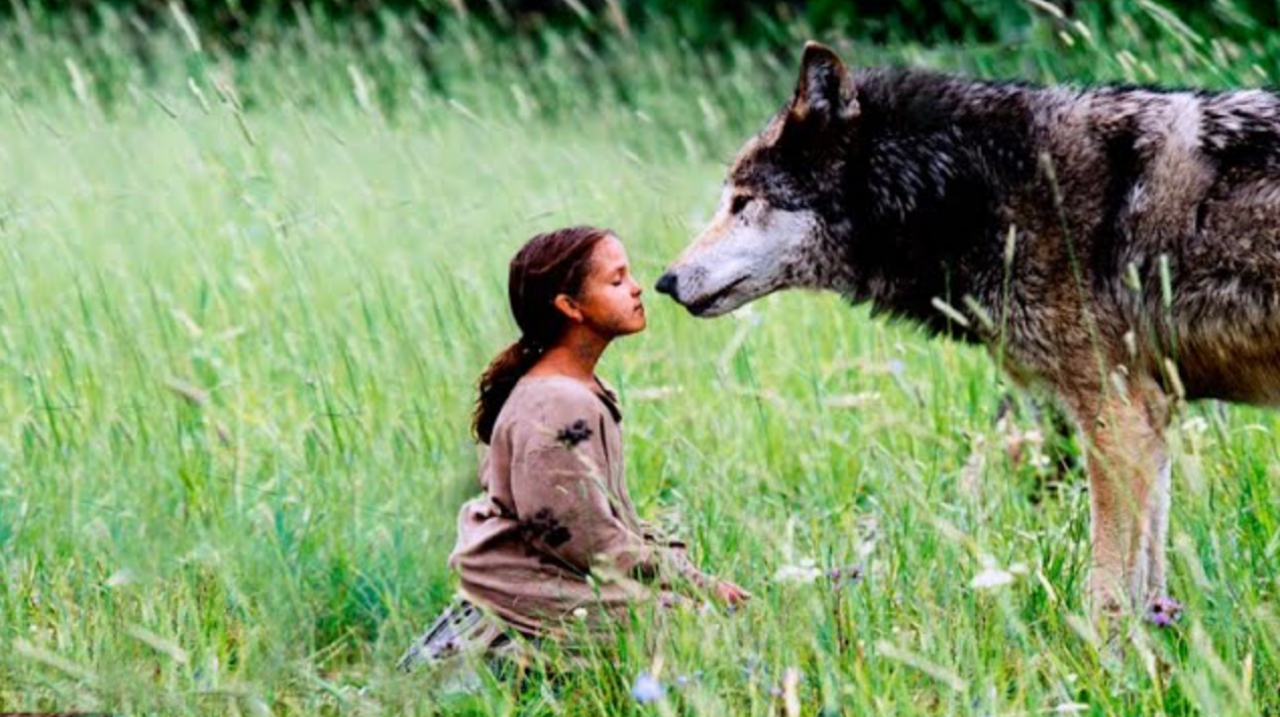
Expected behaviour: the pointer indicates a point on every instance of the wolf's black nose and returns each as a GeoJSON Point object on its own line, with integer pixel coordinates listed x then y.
{"type": "Point", "coordinates": [667, 284]}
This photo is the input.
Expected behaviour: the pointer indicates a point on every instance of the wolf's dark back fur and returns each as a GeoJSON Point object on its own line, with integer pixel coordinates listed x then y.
{"type": "Point", "coordinates": [1184, 184]}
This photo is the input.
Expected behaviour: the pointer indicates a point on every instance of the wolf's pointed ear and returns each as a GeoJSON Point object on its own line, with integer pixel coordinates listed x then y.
{"type": "Point", "coordinates": [825, 92]}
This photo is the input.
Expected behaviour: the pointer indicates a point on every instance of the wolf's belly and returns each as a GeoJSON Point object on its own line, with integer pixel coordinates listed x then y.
{"type": "Point", "coordinates": [1241, 373]}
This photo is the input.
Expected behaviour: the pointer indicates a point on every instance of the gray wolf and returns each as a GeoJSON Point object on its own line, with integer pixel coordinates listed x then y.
{"type": "Point", "coordinates": [1118, 245]}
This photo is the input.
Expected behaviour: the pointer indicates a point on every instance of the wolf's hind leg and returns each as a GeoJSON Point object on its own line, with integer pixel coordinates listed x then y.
{"type": "Point", "coordinates": [1128, 494]}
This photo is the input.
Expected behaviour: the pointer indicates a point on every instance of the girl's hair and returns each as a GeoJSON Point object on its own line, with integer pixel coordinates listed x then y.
{"type": "Point", "coordinates": [546, 266]}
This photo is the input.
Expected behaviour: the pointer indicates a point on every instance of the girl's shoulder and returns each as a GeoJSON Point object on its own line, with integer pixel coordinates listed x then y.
{"type": "Point", "coordinates": [554, 394]}
{"type": "Point", "coordinates": [551, 400]}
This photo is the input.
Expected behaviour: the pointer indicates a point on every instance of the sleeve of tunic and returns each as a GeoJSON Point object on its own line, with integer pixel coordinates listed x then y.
{"type": "Point", "coordinates": [562, 496]}
{"type": "Point", "coordinates": [677, 553]}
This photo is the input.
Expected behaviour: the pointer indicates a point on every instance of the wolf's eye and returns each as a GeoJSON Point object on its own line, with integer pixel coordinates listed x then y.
{"type": "Point", "coordinates": [740, 202]}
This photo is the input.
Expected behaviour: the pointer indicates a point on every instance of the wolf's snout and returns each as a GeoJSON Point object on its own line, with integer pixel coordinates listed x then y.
{"type": "Point", "coordinates": [667, 284]}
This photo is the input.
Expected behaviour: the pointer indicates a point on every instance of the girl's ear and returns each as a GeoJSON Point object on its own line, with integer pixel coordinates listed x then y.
{"type": "Point", "coordinates": [568, 307]}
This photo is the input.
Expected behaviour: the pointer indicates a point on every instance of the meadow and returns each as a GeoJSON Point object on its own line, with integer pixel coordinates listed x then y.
{"type": "Point", "coordinates": [244, 301]}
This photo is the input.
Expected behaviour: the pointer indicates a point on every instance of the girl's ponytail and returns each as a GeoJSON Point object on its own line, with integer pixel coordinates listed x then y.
{"type": "Point", "coordinates": [497, 382]}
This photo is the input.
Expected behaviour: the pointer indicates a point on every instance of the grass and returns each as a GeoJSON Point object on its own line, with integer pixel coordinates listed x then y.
{"type": "Point", "coordinates": [244, 302]}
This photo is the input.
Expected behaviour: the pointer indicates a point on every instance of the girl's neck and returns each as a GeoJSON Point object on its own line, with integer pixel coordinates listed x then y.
{"type": "Point", "coordinates": [575, 357]}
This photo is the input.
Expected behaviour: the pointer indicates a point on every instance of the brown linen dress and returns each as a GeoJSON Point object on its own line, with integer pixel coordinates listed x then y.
{"type": "Point", "coordinates": [555, 529]}
{"type": "Point", "coordinates": [554, 536]}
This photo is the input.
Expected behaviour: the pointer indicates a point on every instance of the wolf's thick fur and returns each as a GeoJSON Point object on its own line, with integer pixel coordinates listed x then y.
{"type": "Point", "coordinates": [1119, 244]}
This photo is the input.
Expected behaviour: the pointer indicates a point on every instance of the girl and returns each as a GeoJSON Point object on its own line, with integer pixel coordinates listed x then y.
{"type": "Point", "coordinates": [555, 535]}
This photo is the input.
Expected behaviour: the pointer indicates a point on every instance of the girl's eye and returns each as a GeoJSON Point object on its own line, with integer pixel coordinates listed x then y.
{"type": "Point", "coordinates": [740, 202]}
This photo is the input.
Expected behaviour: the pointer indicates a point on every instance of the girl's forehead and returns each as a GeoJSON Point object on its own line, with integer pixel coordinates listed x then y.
{"type": "Point", "coordinates": [610, 254]}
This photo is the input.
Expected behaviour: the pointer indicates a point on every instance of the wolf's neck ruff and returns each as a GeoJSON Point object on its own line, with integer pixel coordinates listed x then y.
{"type": "Point", "coordinates": [933, 166]}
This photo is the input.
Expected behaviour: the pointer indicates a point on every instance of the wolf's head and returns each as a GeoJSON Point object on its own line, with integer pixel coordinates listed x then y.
{"type": "Point", "coordinates": [769, 231]}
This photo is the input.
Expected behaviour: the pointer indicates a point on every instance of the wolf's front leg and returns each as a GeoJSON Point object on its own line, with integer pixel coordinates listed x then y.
{"type": "Point", "coordinates": [1128, 496]}
{"type": "Point", "coordinates": [1157, 530]}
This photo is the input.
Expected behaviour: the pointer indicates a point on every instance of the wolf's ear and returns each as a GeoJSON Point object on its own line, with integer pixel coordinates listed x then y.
{"type": "Point", "coordinates": [825, 92]}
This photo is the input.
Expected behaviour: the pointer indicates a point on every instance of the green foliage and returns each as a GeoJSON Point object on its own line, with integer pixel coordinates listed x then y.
{"type": "Point", "coordinates": [244, 299]}
{"type": "Point", "coordinates": [239, 24]}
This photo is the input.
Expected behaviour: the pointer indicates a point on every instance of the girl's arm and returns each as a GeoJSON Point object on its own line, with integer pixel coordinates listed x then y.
{"type": "Point", "coordinates": [558, 485]}
{"type": "Point", "coordinates": [678, 552]}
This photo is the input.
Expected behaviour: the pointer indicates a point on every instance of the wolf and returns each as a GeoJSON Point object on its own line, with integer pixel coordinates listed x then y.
{"type": "Point", "coordinates": [1117, 245]}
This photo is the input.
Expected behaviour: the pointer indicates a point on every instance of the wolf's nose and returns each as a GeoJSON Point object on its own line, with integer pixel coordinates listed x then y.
{"type": "Point", "coordinates": [666, 284]}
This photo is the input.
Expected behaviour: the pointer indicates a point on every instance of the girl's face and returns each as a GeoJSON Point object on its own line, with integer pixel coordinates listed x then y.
{"type": "Point", "coordinates": [610, 297]}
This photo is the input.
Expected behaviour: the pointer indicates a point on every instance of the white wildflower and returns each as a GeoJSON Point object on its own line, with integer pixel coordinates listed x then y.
{"type": "Point", "coordinates": [992, 576]}
{"type": "Point", "coordinates": [1195, 426]}
{"type": "Point", "coordinates": [851, 400]}
{"type": "Point", "coordinates": [802, 573]}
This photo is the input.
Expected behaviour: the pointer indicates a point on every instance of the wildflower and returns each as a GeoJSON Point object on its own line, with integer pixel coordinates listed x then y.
{"type": "Point", "coordinates": [802, 573]}
{"type": "Point", "coordinates": [991, 577]}
{"type": "Point", "coordinates": [121, 577]}
{"type": "Point", "coordinates": [852, 400]}
{"type": "Point", "coordinates": [1019, 444]}
{"type": "Point", "coordinates": [1195, 425]}
{"type": "Point", "coordinates": [842, 577]}
{"type": "Point", "coordinates": [647, 689]}
{"type": "Point", "coordinates": [580, 613]}
{"type": "Point", "coordinates": [1164, 611]}
{"type": "Point", "coordinates": [897, 367]}
{"type": "Point", "coordinates": [683, 681]}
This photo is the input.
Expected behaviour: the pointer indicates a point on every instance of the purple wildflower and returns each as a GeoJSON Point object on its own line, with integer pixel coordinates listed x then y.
{"type": "Point", "coordinates": [647, 689]}
{"type": "Point", "coordinates": [1164, 611]}
{"type": "Point", "coordinates": [842, 577]}
{"type": "Point", "coordinates": [683, 681]}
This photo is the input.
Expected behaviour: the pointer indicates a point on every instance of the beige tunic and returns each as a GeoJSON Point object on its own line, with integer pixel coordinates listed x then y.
{"type": "Point", "coordinates": [555, 529]}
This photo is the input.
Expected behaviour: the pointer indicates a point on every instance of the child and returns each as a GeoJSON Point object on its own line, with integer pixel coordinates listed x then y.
{"type": "Point", "coordinates": [555, 509]}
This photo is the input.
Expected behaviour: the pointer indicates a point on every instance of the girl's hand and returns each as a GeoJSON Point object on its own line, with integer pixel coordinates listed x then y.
{"type": "Point", "coordinates": [730, 594]}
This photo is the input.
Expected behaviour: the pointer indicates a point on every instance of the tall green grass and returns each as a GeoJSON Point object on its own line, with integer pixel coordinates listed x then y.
{"type": "Point", "coordinates": [244, 301]}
